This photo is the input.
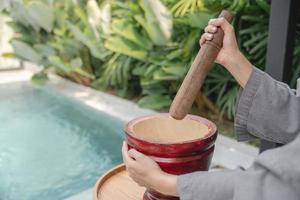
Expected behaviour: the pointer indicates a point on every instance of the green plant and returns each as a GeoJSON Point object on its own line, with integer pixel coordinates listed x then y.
{"type": "Point", "coordinates": [183, 7]}
{"type": "Point", "coordinates": [49, 37]}
{"type": "Point", "coordinates": [138, 48]}
{"type": "Point", "coordinates": [296, 60]}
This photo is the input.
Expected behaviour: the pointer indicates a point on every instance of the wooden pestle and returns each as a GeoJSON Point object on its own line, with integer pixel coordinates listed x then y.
{"type": "Point", "coordinates": [194, 79]}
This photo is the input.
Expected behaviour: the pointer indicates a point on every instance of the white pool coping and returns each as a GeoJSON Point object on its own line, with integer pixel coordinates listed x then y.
{"type": "Point", "coordinates": [228, 152]}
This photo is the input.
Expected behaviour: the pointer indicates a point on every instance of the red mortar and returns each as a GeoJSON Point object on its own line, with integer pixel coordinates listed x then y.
{"type": "Point", "coordinates": [175, 158]}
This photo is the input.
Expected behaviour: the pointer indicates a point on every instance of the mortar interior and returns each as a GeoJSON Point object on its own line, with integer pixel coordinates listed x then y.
{"type": "Point", "coordinates": [165, 130]}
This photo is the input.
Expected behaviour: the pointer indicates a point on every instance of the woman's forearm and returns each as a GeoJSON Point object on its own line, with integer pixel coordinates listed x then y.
{"type": "Point", "coordinates": [239, 67]}
{"type": "Point", "coordinates": [166, 184]}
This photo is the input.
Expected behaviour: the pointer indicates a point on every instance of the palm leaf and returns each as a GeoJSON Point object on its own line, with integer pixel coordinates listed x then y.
{"type": "Point", "coordinates": [25, 51]}
{"type": "Point", "coordinates": [155, 101]}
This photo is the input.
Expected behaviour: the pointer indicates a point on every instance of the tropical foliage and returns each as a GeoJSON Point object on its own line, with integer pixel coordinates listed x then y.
{"type": "Point", "coordinates": [138, 48]}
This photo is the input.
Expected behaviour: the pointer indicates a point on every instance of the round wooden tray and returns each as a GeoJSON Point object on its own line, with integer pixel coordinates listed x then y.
{"type": "Point", "coordinates": [117, 185]}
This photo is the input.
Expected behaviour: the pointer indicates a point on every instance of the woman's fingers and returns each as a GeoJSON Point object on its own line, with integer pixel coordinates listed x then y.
{"type": "Point", "coordinates": [126, 158]}
{"type": "Point", "coordinates": [204, 37]}
{"type": "Point", "coordinates": [124, 152]}
{"type": "Point", "coordinates": [210, 29]}
{"type": "Point", "coordinates": [124, 146]}
{"type": "Point", "coordinates": [135, 154]}
{"type": "Point", "coordinates": [222, 22]}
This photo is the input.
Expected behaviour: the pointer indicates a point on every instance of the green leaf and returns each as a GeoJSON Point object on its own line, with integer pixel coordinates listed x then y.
{"type": "Point", "coordinates": [163, 76]}
{"type": "Point", "coordinates": [139, 70]}
{"type": "Point", "coordinates": [253, 18]}
{"type": "Point", "coordinates": [189, 43]}
{"type": "Point", "coordinates": [8, 55]}
{"type": "Point", "coordinates": [42, 15]}
{"type": "Point", "coordinates": [155, 101]}
{"type": "Point", "coordinates": [149, 82]}
{"type": "Point", "coordinates": [25, 51]}
{"type": "Point", "coordinates": [80, 36]}
{"type": "Point", "coordinates": [39, 78]}
{"type": "Point", "coordinates": [154, 89]}
{"type": "Point", "coordinates": [84, 73]}
{"type": "Point", "coordinates": [106, 17]}
{"type": "Point", "coordinates": [174, 54]}
{"type": "Point", "coordinates": [252, 29]}
{"type": "Point", "coordinates": [4, 5]}
{"type": "Point", "coordinates": [94, 16]}
{"type": "Point", "coordinates": [44, 50]}
{"type": "Point", "coordinates": [126, 47]}
{"type": "Point", "coordinates": [96, 52]}
{"type": "Point", "coordinates": [76, 63]}
{"type": "Point", "coordinates": [179, 70]}
{"type": "Point", "coordinates": [259, 46]}
{"type": "Point", "coordinates": [254, 39]}
{"type": "Point", "coordinates": [150, 70]}
{"type": "Point", "coordinates": [126, 69]}
{"type": "Point", "coordinates": [157, 21]}
{"type": "Point", "coordinates": [127, 30]}
{"type": "Point", "coordinates": [57, 62]}
{"type": "Point", "coordinates": [264, 5]}
{"type": "Point", "coordinates": [20, 14]}
{"type": "Point", "coordinates": [199, 19]}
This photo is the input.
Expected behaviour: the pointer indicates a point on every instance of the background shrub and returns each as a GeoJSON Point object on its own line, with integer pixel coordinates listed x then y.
{"type": "Point", "coordinates": [139, 49]}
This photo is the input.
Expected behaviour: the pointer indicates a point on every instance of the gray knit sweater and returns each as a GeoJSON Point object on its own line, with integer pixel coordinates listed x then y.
{"type": "Point", "coordinates": [266, 109]}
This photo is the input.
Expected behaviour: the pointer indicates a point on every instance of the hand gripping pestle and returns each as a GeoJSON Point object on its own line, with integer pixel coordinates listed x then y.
{"type": "Point", "coordinates": [194, 79]}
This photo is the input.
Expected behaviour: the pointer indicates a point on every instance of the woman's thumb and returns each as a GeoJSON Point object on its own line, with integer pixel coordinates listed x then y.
{"type": "Point", "coordinates": [135, 154]}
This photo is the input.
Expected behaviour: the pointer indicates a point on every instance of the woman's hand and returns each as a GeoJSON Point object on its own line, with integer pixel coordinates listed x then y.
{"type": "Point", "coordinates": [230, 47]}
{"type": "Point", "coordinates": [146, 172]}
{"type": "Point", "coordinates": [229, 56]}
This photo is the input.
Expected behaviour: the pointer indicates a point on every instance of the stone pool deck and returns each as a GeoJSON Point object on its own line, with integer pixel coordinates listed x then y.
{"type": "Point", "coordinates": [228, 154]}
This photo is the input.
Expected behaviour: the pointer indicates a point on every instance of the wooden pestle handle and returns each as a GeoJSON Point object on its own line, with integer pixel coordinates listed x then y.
{"type": "Point", "coordinates": [194, 79]}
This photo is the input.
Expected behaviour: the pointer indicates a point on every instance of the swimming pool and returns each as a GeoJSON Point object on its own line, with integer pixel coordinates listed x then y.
{"type": "Point", "coordinates": [51, 145]}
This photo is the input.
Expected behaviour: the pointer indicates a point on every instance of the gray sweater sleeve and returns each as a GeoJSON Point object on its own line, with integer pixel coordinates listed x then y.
{"type": "Point", "coordinates": [267, 109]}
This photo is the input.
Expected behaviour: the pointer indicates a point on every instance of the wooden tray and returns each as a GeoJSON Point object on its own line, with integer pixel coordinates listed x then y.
{"type": "Point", "coordinates": [117, 185]}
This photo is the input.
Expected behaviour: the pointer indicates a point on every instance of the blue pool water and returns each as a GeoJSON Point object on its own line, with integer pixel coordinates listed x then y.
{"type": "Point", "coordinates": [52, 146]}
